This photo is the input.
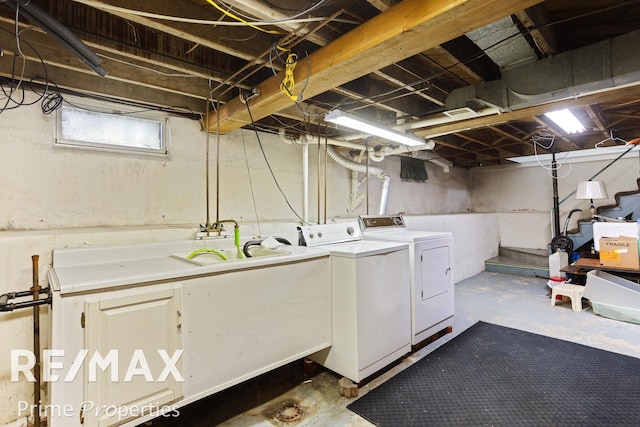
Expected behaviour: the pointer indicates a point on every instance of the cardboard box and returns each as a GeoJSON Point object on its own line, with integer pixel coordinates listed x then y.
{"type": "Point", "coordinates": [619, 252]}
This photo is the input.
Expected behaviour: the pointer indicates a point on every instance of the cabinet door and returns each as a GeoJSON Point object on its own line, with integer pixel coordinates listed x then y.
{"type": "Point", "coordinates": [436, 268]}
{"type": "Point", "coordinates": [136, 328]}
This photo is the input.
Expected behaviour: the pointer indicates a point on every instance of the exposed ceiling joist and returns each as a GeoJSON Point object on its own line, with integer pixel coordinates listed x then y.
{"type": "Point", "coordinates": [535, 20]}
{"type": "Point", "coordinates": [526, 113]}
{"type": "Point", "coordinates": [204, 35]}
{"type": "Point", "coordinates": [414, 24]}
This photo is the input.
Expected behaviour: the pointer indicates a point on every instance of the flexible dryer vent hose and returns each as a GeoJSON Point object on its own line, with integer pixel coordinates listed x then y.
{"type": "Point", "coordinates": [372, 170]}
{"type": "Point", "coordinates": [354, 166]}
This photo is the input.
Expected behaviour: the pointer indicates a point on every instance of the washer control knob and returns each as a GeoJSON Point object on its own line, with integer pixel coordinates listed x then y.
{"type": "Point", "coordinates": [319, 233]}
{"type": "Point", "coordinates": [350, 230]}
{"type": "Point", "coordinates": [311, 235]}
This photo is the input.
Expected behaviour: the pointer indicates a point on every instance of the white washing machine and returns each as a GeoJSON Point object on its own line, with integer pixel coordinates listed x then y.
{"type": "Point", "coordinates": [370, 297]}
{"type": "Point", "coordinates": [431, 261]}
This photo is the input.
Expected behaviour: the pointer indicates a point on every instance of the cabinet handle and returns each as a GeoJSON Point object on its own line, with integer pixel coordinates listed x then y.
{"type": "Point", "coordinates": [179, 318]}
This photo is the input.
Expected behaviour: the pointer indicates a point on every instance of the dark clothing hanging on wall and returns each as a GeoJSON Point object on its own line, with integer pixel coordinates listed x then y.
{"type": "Point", "coordinates": [412, 169]}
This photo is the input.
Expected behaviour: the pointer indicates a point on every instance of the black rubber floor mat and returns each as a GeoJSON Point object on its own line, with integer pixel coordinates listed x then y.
{"type": "Point", "coordinates": [491, 375]}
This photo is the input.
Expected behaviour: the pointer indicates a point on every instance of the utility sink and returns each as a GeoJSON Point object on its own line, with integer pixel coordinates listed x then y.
{"type": "Point", "coordinates": [210, 256]}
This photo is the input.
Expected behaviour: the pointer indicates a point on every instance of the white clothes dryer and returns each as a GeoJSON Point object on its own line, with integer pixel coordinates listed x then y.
{"type": "Point", "coordinates": [431, 264]}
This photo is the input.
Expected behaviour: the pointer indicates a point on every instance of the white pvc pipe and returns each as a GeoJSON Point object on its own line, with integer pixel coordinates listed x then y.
{"type": "Point", "coordinates": [344, 162]}
{"type": "Point", "coordinates": [384, 195]}
{"type": "Point", "coordinates": [358, 167]}
{"type": "Point", "coordinates": [305, 182]}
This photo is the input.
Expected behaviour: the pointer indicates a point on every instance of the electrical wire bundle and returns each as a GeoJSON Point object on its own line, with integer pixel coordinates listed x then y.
{"type": "Point", "coordinates": [227, 10]}
{"type": "Point", "coordinates": [13, 87]}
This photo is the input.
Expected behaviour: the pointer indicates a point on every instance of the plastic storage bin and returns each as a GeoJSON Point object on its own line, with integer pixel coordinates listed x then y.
{"type": "Point", "coordinates": [616, 312]}
{"type": "Point", "coordinates": [612, 296]}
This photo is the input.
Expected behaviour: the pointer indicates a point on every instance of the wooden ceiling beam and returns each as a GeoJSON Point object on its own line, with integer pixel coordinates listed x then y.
{"type": "Point", "coordinates": [438, 55]}
{"type": "Point", "coordinates": [404, 30]}
{"type": "Point", "coordinates": [488, 145]}
{"type": "Point", "coordinates": [451, 65]}
{"type": "Point", "coordinates": [568, 144]}
{"type": "Point", "coordinates": [423, 93]}
{"type": "Point", "coordinates": [203, 35]}
{"type": "Point", "coordinates": [534, 20]}
{"type": "Point", "coordinates": [595, 118]}
{"type": "Point", "coordinates": [257, 9]}
{"type": "Point", "coordinates": [505, 134]}
{"type": "Point", "coordinates": [65, 70]}
{"type": "Point", "coordinates": [383, 5]}
{"type": "Point", "coordinates": [528, 112]}
{"type": "Point", "coordinates": [85, 82]}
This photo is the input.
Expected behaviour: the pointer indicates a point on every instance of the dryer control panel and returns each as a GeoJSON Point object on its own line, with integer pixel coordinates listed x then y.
{"type": "Point", "coordinates": [372, 222]}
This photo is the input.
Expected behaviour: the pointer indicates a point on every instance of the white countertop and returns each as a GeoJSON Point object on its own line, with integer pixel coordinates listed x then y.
{"type": "Point", "coordinates": [96, 268]}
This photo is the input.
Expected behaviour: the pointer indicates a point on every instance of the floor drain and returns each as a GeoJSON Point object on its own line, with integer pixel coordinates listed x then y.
{"type": "Point", "coordinates": [289, 412]}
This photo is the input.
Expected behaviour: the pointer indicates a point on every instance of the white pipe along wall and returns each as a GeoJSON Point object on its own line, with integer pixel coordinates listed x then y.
{"type": "Point", "coordinates": [351, 165]}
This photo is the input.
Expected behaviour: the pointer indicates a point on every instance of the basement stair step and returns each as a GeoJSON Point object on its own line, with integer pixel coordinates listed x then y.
{"type": "Point", "coordinates": [520, 262]}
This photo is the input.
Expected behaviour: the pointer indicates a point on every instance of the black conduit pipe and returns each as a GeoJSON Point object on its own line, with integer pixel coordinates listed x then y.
{"type": "Point", "coordinates": [59, 32]}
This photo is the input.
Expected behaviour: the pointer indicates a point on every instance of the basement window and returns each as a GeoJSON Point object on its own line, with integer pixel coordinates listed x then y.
{"type": "Point", "coordinates": [114, 130]}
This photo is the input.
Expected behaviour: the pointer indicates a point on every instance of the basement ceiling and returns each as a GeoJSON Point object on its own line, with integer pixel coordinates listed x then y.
{"type": "Point", "coordinates": [473, 76]}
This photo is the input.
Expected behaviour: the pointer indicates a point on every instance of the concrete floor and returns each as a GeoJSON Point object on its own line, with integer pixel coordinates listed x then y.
{"type": "Point", "coordinates": [507, 300]}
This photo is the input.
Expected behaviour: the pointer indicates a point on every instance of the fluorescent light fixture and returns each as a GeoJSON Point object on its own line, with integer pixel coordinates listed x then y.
{"type": "Point", "coordinates": [566, 120]}
{"type": "Point", "coordinates": [344, 119]}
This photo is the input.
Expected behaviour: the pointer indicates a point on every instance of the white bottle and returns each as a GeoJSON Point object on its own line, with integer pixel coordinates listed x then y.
{"type": "Point", "coordinates": [557, 261]}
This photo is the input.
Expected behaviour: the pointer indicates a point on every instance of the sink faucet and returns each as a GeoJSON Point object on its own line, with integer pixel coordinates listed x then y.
{"type": "Point", "coordinates": [218, 226]}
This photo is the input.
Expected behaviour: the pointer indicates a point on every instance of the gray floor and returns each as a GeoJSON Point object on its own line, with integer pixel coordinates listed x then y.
{"type": "Point", "coordinates": [512, 301]}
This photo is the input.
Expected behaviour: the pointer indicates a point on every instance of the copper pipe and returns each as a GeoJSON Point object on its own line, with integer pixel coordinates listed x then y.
{"type": "Point", "coordinates": [35, 290]}
{"type": "Point", "coordinates": [366, 177]}
{"type": "Point", "coordinates": [319, 180]}
{"type": "Point", "coordinates": [326, 154]}
{"type": "Point", "coordinates": [206, 129]}
{"type": "Point", "coordinates": [218, 161]}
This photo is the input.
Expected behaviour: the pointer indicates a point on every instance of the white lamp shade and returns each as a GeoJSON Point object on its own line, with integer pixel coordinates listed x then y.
{"type": "Point", "coordinates": [591, 190]}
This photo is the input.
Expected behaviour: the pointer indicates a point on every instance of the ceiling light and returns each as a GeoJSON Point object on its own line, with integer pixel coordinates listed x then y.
{"type": "Point", "coordinates": [566, 120]}
{"type": "Point", "coordinates": [344, 119]}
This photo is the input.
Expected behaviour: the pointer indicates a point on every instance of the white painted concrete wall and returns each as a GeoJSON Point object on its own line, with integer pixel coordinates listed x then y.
{"type": "Point", "coordinates": [54, 197]}
{"type": "Point", "coordinates": [474, 237]}
{"type": "Point", "coordinates": [522, 197]}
